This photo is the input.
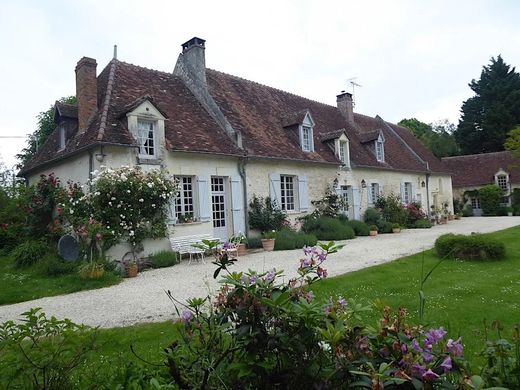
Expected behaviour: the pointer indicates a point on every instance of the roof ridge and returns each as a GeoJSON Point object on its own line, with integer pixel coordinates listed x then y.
{"type": "Point", "coordinates": [108, 95]}
{"type": "Point", "coordinates": [273, 88]}
{"type": "Point", "coordinates": [477, 154]}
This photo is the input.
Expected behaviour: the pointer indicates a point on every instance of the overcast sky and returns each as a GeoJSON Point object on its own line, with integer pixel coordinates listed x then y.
{"type": "Point", "coordinates": [412, 58]}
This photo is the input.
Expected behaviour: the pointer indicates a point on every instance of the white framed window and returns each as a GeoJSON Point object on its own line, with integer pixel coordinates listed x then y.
{"type": "Point", "coordinates": [344, 153]}
{"type": "Point", "coordinates": [502, 182]}
{"type": "Point", "coordinates": [374, 192]}
{"type": "Point", "coordinates": [306, 137]}
{"type": "Point", "coordinates": [61, 133]}
{"type": "Point", "coordinates": [146, 138]}
{"type": "Point", "coordinates": [407, 193]}
{"type": "Point", "coordinates": [344, 197]}
{"type": "Point", "coordinates": [475, 203]}
{"type": "Point", "coordinates": [287, 192]}
{"type": "Point", "coordinates": [380, 150]}
{"type": "Point", "coordinates": [185, 199]}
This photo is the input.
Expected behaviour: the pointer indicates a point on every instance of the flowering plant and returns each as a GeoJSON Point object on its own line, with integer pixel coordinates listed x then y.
{"type": "Point", "coordinates": [269, 235]}
{"type": "Point", "coordinates": [261, 332]}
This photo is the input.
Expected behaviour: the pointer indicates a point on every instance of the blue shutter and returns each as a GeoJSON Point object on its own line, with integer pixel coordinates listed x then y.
{"type": "Point", "coordinates": [237, 205]}
{"type": "Point", "coordinates": [356, 206]}
{"type": "Point", "coordinates": [402, 194]}
{"type": "Point", "coordinates": [369, 194]}
{"type": "Point", "coordinates": [204, 196]}
{"type": "Point", "coordinates": [303, 194]}
{"type": "Point", "coordinates": [274, 189]}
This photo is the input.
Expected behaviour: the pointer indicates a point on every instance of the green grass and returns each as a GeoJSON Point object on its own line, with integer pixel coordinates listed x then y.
{"type": "Point", "coordinates": [460, 295]}
{"type": "Point", "coordinates": [24, 284]}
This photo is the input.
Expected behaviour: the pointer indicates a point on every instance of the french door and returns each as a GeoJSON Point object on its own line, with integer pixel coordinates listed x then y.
{"type": "Point", "coordinates": [219, 207]}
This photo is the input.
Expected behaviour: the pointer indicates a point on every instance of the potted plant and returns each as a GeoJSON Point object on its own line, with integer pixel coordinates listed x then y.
{"type": "Point", "coordinates": [131, 268]}
{"type": "Point", "coordinates": [458, 215]}
{"type": "Point", "coordinates": [268, 239]}
{"type": "Point", "coordinates": [240, 241]}
{"type": "Point", "coordinates": [451, 217]}
{"type": "Point", "coordinates": [396, 228]}
{"type": "Point", "coordinates": [92, 270]}
{"type": "Point", "coordinates": [509, 210]}
{"type": "Point", "coordinates": [373, 230]}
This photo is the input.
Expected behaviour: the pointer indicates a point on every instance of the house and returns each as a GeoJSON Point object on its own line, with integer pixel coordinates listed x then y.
{"type": "Point", "coordinates": [474, 171]}
{"type": "Point", "coordinates": [226, 139]}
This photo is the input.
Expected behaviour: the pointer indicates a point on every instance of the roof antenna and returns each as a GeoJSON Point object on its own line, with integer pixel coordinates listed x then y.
{"type": "Point", "coordinates": [115, 52]}
{"type": "Point", "coordinates": [354, 85]}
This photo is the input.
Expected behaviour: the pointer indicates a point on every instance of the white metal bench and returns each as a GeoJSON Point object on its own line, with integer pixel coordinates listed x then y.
{"type": "Point", "coordinates": [184, 245]}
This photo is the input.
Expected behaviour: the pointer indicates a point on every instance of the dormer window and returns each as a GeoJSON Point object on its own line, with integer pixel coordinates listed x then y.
{"type": "Point", "coordinates": [502, 182]}
{"type": "Point", "coordinates": [146, 138]}
{"type": "Point", "coordinates": [344, 154]}
{"type": "Point", "coordinates": [306, 134]}
{"type": "Point", "coordinates": [61, 134]}
{"type": "Point", "coordinates": [380, 149]}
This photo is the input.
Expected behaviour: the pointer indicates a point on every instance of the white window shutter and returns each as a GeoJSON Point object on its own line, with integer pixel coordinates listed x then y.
{"type": "Point", "coordinates": [369, 194]}
{"type": "Point", "coordinates": [172, 219]}
{"type": "Point", "coordinates": [413, 192]}
{"type": "Point", "coordinates": [237, 205]}
{"type": "Point", "coordinates": [402, 194]}
{"type": "Point", "coordinates": [274, 189]}
{"type": "Point", "coordinates": [381, 190]}
{"type": "Point", "coordinates": [204, 196]}
{"type": "Point", "coordinates": [356, 203]}
{"type": "Point", "coordinates": [303, 194]}
{"type": "Point", "coordinates": [312, 139]}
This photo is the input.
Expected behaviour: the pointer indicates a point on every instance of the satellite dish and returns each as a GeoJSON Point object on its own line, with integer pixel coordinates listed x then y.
{"type": "Point", "coordinates": [68, 248]}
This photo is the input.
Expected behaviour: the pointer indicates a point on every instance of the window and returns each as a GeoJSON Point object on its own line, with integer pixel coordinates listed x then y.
{"type": "Point", "coordinates": [374, 192]}
{"type": "Point", "coordinates": [502, 182]}
{"type": "Point", "coordinates": [62, 136]}
{"type": "Point", "coordinates": [475, 203]}
{"type": "Point", "coordinates": [380, 150]}
{"type": "Point", "coordinates": [184, 200]}
{"type": "Point", "coordinates": [344, 197]}
{"type": "Point", "coordinates": [287, 192]}
{"type": "Point", "coordinates": [343, 152]}
{"type": "Point", "coordinates": [146, 138]}
{"type": "Point", "coordinates": [306, 139]}
{"type": "Point", "coordinates": [407, 193]}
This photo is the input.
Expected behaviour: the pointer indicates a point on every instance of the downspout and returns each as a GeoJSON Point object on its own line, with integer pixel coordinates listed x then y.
{"type": "Point", "coordinates": [428, 193]}
{"type": "Point", "coordinates": [242, 161]}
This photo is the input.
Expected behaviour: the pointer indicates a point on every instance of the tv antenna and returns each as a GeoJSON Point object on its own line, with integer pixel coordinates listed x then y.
{"type": "Point", "coordinates": [354, 84]}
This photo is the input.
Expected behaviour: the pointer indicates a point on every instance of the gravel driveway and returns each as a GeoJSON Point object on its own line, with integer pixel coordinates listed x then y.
{"type": "Point", "coordinates": [143, 299]}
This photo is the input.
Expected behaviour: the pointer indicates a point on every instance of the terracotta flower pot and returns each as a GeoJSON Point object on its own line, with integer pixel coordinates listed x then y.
{"type": "Point", "coordinates": [373, 233]}
{"type": "Point", "coordinates": [241, 250]}
{"type": "Point", "coordinates": [451, 217]}
{"type": "Point", "coordinates": [131, 270]}
{"type": "Point", "coordinates": [268, 244]}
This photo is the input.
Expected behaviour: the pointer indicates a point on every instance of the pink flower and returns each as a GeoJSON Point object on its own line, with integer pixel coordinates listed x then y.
{"type": "Point", "coordinates": [186, 316]}
{"type": "Point", "coordinates": [98, 236]}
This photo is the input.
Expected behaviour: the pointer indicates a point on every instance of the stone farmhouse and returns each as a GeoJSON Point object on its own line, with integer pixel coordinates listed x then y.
{"type": "Point", "coordinates": [474, 171]}
{"type": "Point", "coordinates": [226, 139]}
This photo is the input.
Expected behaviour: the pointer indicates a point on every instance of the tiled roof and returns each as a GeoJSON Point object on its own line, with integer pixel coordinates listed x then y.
{"type": "Point", "coordinates": [264, 116]}
{"type": "Point", "coordinates": [66, 110]}
{"type": "Point", "coordinates": [480, 169]}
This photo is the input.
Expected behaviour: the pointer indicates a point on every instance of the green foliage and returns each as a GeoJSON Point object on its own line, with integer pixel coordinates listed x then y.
{"type": "Point", "coordinates": [437, 136]}
{"type": "Point", "coordinates": [515, 201]}
{"type": "Point", "coordinates": [372, 216]}
{"type": "Point", "coordinates": [360, 228]}
{"type": "Point", "coordinates": [163, 259]}
{"type": "Point", "coordinates": [384, 227]}
{"type": "Point", "coordinates": [473, 247]}
{"type": "Point", "coordinates": [467, 211]}
{"type": "Point", "coordinates": [51, 265]}
{"type": "Point", "coordinates": [254, 242]}
{"type": "Point", "coordinates": [45, 125]}
{"type": "Point", "coordinates": [488, 116]}
{"type": "Point", "coordinates": [42, 353]}
{"type": "Point", "coordinates": [422, 224]}
{"type": "Point", "coordinates": [396, 226]}
{"type": "Point", "coordinates": [392, 209]}
{"type": "Point", "coordinates": [513, 141]}
{"type": "Point", "coordinates": [30, 252]}
{"type": "Point", "coordinates": [287, 239]}
{"type": "Point", "coordinates": [264, 215]}
{"type": "Point", "coordinates": [325, 228]}
{"type": "Point", "coordinates": [330, 205]}
{"type": "Point", "coordinates": [373, 228]}
{"type": "Point", "coordinates": [490, 197]}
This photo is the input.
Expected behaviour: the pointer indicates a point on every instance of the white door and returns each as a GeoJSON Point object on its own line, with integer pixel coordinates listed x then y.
{"type": "Point", "coordinates": [346, 195]}
{"type": "Point", "coordinates": [219, 208]}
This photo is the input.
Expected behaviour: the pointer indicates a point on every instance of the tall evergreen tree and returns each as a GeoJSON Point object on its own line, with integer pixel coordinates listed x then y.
{"type": "Point", "coordinates": [487, 117]}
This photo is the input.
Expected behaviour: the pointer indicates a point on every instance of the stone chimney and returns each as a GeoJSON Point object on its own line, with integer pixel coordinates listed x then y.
{"type": "Point", "coordinates": [86, 90]}
{"type": "Point", "coordinates": [345, 106]}
{"type": "Point", "coordinates": [194, 59]}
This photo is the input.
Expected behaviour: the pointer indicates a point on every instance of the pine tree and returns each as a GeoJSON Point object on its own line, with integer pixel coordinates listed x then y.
{"type": "Point", "coordinates": [487, 117]}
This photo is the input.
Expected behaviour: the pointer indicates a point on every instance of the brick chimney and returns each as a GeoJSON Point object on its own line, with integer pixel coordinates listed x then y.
{"type": "Point", "coordinates": [86, 90]}
{"type": "Point", "coordinates": [345, 106]}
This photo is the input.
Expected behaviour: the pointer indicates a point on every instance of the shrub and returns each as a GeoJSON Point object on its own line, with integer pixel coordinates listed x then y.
{"type": "Point", "coordinates": [51, 265]}
{"type": "Point", "coordinates": [467, 211]}
{"type": "Point", "coordinates": [330, 205]}
{"type": "Point", "coordinates": [264, 215]}
{"type": "Point", "coordinates": [372, 216]}
{"type": "Point", "coordinates": [473, 247]}
{"type": "Point", "coordinates": [515, 201]}
{"type": "Point", "coordinates": [30, 252]}
{"type": "Point", "coordinates": [287, 239]}
{"type": "Point", "coordinates": [490, 197]}
{"type": "Point", "coordinates": [254, 242]}
{"type": "Point", "coordinates": [384, 227]}
{"type": "Point", "coordinates": [502, 211]}
{"type": "Point", "coordinates": [360, 228]}
{"type": "Point", "coordinates": [413, 214]}
{"type": "Point", "coordinates": [163, 259]}
{"type": "Point", "coordinates": [373, 228]}
{"type": "Point", "coordinates": [325, 228]}
{"type": "Point", "coordinates": [392, 209]}
{"type": "Point", "coordinates": [422, 224]}
{"type": "Point", "coordinates": [396, 226]}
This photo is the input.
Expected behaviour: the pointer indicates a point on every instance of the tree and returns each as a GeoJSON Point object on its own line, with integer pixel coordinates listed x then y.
{"type": "Point", "coordinates": [487, 117]}
{"type": "Point", "coordinates": [45, 125]}
{"type": "Point", "coordinates": [435, 136]}
{"type": "Point", "coordinates": [513, 141]}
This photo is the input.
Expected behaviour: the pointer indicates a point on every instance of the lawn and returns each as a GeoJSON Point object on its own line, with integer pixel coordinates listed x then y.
{"type": "Point", "coordinates": [460, 295]}
{"type": "Point", "coordinates": [24, 284]}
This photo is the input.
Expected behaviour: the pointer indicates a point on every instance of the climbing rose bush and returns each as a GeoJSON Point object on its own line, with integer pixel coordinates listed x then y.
{"type": "Point", "coordinates": [124, 204]}
{"type": "Point", "coordinates": [263, 331]}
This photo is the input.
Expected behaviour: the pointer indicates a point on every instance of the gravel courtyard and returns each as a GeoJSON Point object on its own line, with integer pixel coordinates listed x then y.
{"type": "Point", "coordinates": [143, 299]}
